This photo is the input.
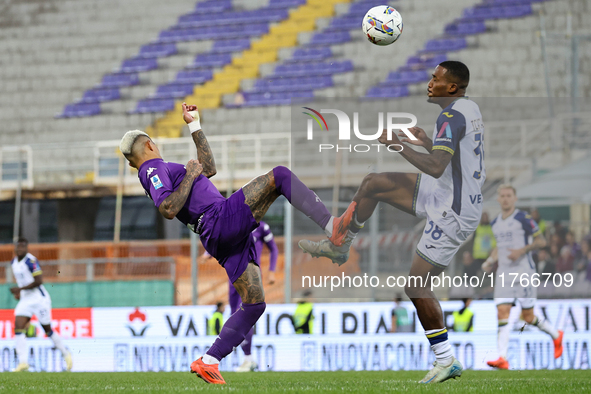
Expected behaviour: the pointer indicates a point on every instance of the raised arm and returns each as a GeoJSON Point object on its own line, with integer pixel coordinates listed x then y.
{"type": "Point", "coordinates": [204, 154]}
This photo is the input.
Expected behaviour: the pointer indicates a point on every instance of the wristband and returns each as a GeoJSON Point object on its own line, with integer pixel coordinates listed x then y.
{"type": "Point", "coordinates": [194, 126]}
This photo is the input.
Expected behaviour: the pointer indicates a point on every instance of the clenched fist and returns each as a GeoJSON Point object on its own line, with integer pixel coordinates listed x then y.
{"type": "Point", "coordinates": [194, 168]}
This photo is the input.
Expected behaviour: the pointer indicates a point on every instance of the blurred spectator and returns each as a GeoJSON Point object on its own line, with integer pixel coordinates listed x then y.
{"type": "Point", "coordinates": [484, 240]}
{"type": "Point", "coordinates": [303, 318]}
{"type": "Point", "coordinates": [565, 261]}
{"type": "Point", "coordinates": [545, 262]}
{"type": "Point", "coordinates": [575, 248]}
{"type": "Point", "coordinates": [588, 258]}
{"type": "Point", "coordinates": [542, 224]}
{"type": "Point", "coordinates": [470, 266]}
{"type": "Point", "coordinates": [559, 230]}
{"type": "Point", "coordinates": [214, 325]}
{"type": "Point", "coordinates": [400, 321]}
{"type": "Point", "coordinates": [582, 263]}
{"type": "Point", "coordinates": [554, 251]}
{"type": "Point", "coordinates": [464, 318]}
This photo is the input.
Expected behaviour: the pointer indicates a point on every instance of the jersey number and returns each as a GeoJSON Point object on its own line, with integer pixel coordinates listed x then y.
{"type": "Point", "coordinates": [436, 234]}
{"type": "Point", "coordinates": [478, 152]}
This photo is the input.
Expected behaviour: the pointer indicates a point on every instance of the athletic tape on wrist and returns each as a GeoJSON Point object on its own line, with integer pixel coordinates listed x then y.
{"type": "Point", "coordinates": [194, 126]}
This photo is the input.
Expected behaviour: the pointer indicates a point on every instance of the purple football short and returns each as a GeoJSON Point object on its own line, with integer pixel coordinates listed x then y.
{"type": "Point", "coordinates": [227, 234]}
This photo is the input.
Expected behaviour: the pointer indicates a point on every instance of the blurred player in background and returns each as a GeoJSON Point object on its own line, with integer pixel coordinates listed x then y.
{"type": "Point", "coordinates": [447, 194]}
{"type": "Point", "coordinates": [517, 235]}
{"type": "Point", "coordinates": [216, 322]}
{"type": "Point", "coordinates": [33, 299]}
{"type": "Point", "coordinates": [262, 236]}
{"type": "Point", "coordinates": [224, 224]}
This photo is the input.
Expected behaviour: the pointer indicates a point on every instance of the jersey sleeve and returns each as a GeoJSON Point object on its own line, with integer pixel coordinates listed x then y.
{"type": "Point", "coordinates": [33, 266]}
{"type": "Point", "coordinates": [451, 128]}
{"type": "Point", "coordinates": [158, 183]}
{"type": "Point", "coordinates": [529, 225]}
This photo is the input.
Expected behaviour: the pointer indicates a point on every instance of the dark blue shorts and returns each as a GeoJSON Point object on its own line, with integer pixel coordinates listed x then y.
{"type": "Point", "coordinates": [227, 234]}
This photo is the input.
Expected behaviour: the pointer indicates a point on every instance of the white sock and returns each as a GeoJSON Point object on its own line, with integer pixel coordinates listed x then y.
{"type": "Point", "coordinates": [328, 228]}
{"type": "Point", "coordinates": [503, 337]}
{"type": "Point", "coordinates": [543, 325]}
{"type": "Point", "coordinates": [442, 350]}
{"type": "Point", "coordinates": [207, 359]}
{"type": "Point", "coordinates": [59, 344]}
{"type": "Point", "coordinates": [21, 347]}
{"type": "Point", "coordinates": [356, 223]}
{"type": "Point", "coordinates": [248, 358]}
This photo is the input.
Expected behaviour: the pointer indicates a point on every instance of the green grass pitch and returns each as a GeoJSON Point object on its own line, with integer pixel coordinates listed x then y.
{"type": "Point", "coordinates": [298, 382]}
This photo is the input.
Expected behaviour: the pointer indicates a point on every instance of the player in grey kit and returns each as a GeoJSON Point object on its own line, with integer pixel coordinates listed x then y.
{"type": "Point", "coordinates": [225, 225]}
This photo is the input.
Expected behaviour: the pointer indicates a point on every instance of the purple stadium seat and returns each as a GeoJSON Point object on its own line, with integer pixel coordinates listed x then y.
{"type": "Point", "coordinates": [154, 105]}
{"type": "Point", "coordinates": [98, 95]}
{"type": "Point", "coordinates": [330, 38]}
{"type": "Point", "coordinates": [222, 20]}
{"type": "Point", "coordinates": [460, 28]}
{"type": "Point", "coordinates": [313, 69]}
{"type": "Point", "coordinates": [445, 45]}
{"type": "Point", "coordinates": [484, 12]}
{"type": "Point", "coordinates": [284, 98]}
{"type": "Point", "coordinates": [207, 60]}
{"type": "Point", "coordinates": [80, 110]}
{"type": "Point", "coordinates": [207, 7]}
{"type": "Point", "coordinates": [310, 54]}
{"type": "Point", "coordinates": [286, 3]}
{"type": "Point", "coordinates": [138, 65]}
{"type": "Point", "coordinates": [406, 77]}
{"type": "Point", "coordinates": [226, 46]}
{"type": "Point", "coordinates": [194, 76]}
{"type": "Point", "coordinates": [174, 90]}
{"type": "Point", "coordinates": [387, 92]}
{"type": "Point", "coordinates": [291, 84]}
{"type": "Point", "coordinates": [422, 62]}
{"type": "Point", "coordinates": [360, 8]}
{"type": "Point", "coordinates": [347, 22]}
{"type": "Point", "coordinates": [120, 80]}
{"type": "Point", "coordinates": [157, 50]}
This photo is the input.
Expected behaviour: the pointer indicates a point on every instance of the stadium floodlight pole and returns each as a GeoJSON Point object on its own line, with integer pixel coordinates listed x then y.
{"type": "Point", "coordinates": [287, 236]}
{"type": "Point", "coordinates": [194, 267]}
{"type": "Point", "coordinates": [119, 201]}
{"type": "Point", "coordinates": [17, 202]}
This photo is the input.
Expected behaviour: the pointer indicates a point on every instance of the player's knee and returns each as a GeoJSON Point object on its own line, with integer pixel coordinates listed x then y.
{"type": "Point", "coordinates": [413, 291]}
{"type": "Point", "coordinates": [368, 182]}
{"type": "Point", "coordinates": [257, 309]}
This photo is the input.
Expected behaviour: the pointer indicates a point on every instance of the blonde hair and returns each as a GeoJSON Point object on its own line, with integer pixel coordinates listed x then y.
{"type": "Point", "coordinates": [126, 144]}
{"type": "Point", "coordinates": [506, 186]}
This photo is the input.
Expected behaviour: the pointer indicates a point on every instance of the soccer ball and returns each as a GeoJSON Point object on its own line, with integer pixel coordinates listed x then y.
{"type": "Point", "coordinates": [382, 25]}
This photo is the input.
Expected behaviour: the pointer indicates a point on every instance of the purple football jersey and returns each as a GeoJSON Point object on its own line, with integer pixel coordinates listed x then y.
{"type": "Point", "coordinates": [160, 178]}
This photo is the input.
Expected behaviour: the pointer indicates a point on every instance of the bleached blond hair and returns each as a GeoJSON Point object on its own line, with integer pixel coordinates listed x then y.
{"type": "Point", "coordinates": [506, 186]}
{"type": "Point", "coordinates": [126, 144]}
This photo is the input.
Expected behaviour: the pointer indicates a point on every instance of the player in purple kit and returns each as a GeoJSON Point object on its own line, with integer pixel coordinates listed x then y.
{"type": "Point", "coordinates": [224, 224]}
{"type": "Point", "coordinates": [262, 236]}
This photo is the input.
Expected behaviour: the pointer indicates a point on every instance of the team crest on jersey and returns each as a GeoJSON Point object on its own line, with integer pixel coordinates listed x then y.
{"type": "Point", "coordinates": [156, 182]}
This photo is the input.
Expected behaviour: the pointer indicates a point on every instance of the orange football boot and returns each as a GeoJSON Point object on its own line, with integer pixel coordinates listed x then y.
{"type": "Point", "coordinates": [208, 372]}
{"type": "Point", "coordinates": [500, 363]}
{"type": "Point", "coordinates": [558, 344]}
{"type": "Point", "coordinates": [340, 225]}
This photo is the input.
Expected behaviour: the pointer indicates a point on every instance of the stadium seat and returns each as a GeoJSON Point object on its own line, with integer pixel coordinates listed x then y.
{"type": "Point", "coordinates": [465, 28]}
{"type": "Point", "coordinates": [231, 18]}
{"type": "Point", "coordinates": [208, 60]}
{"type": "Point", "coordinates": [285, 3]}
{"type": "Point", "coordinates": [98, 95]}
{"type": "Point", "coordinates": [157, 50]}
{"type": "Point", "coordinates": [207, 7]}
{"type": "Point", "coordinates": [154, 105]}
{"type": "Point", "coordinates": [406, 77]}
{"type": "Point", "coordinates": [194, 76]}
{"type": "Point", "coordinates": [80, 110]}
{"type": "Point", "coordinates": [292, 84]}
{"type": "Point", "coordinates": [138, 65]}
{"type": "Point", "coordinates": [346, 22]}
{"type": "Point", "coordinates": [330, 38]}
{"type": "Point", "coordinates": [283, 98]}
{"type": "Point", "coordinates": [310, 54]}
{"type": "Point", "coordinates": [387, 92]}
{"type": "Point", "coordinates": [227, 46]}
{"type": "Point", "coordinates": [422, 62]}
{"type": "Point", "coordinates": [309, 69]}
{"type": "Point", "coordinates": [120, 80]}
{"type": "Point", "coordinates": [174, 90]}
{"type": "Point", "coordinates": [445, 45]}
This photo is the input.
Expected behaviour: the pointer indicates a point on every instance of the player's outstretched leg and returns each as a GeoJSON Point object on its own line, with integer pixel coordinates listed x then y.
{"type": "Point", "coordinates": [59, 345]}
{"type": "Point", "coordinates": [396, 189]}
{"type": "Point", "coordinates": [429, 312]}
{"type": "Point", "coordinates": [250, 287]}
{"type": "Point", "coordinates": [543, 325]}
